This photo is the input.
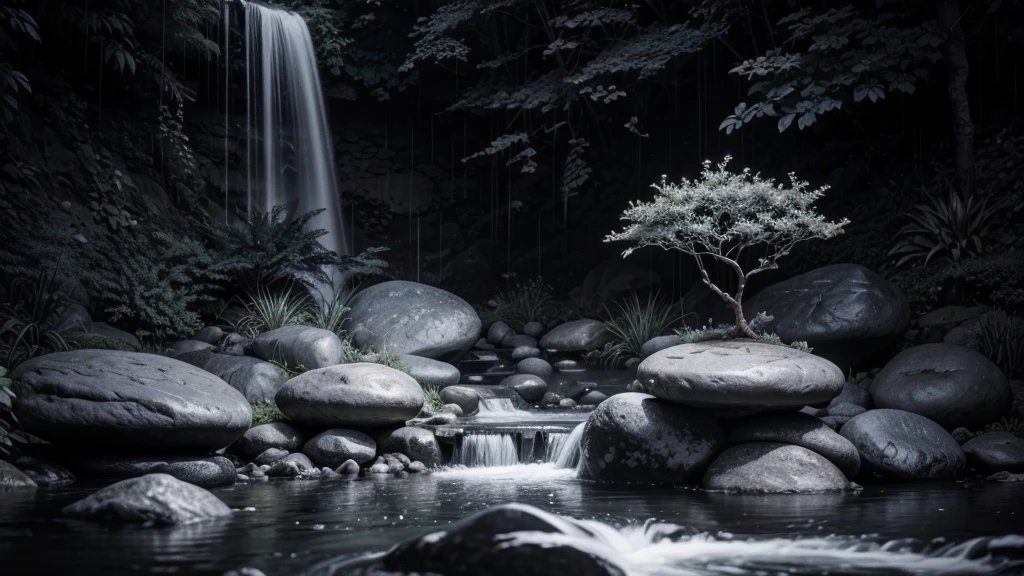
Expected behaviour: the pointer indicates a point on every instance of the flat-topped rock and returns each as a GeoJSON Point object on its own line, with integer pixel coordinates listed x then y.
{"type": "Point", "coordinates": [295, 346]}
{"type": "Point", "coordinates": [771, 467]}
{"type": "Point", "coordinates": [739, 377]}
{"type": "Point", "coordinates": [112, 399]}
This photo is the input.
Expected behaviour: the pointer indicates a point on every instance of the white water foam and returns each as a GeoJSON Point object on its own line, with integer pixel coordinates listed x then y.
{"type": "Point", "coordinates": [483, 450]}
{"type": "Point", "coordinates": [497, 406]}
{"type": "Point", "coordinates": [564, 452]}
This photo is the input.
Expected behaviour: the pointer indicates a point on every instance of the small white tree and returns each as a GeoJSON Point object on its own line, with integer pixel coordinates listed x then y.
{"type": "Point", "coordinates": [720, 215]}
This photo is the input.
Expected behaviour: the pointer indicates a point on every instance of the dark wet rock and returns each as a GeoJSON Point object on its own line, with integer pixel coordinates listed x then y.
{"type": "Point", "coordinates": [416, 467]}
{"type": "Point", "coordinates": [1005, 476]}
{"type": "Point", "coordinates": [845, 410]}
{"type": "Point", "coordinates": [116, 334]}
{"type": "Point", "coordinates": [483, 344]}
{"type": "Point", "coordinates": [328, 474]}
{"type": "Point", "coordinates": [257, 380]}
{"type": "Point", "coordinates": [429, 372]}
{"type": "Point", "coordinates": [530, 388]}
{"type": "Point", "coordinates": [233, 345]}
{"type": "Point", "coordinates": [507, 540]}
{"type": "Point", "coordinates": [741, 377]}
{"type": "Point", "coordinates": [410, 318]}
{"type": "Point", "coordinates": [771, 467]}
{"type": "Point", "coordinates": [305, 346]}
{"type": "Point", "coordinates": [845, 312]}
{"type": "Point", "coordinates": [533, 329]}
{"type": "Point", "coordinates": [568, 365]}
{"type": "Point", "coordinates": [466, 398]}
{"type": "Point", "coordinates": [800, 429]}
{"type": "Point", "coordinates": [258, 439]}
{"type": "Point", "coordinates": [996, 451]}
{"type": "Point", "coordinates": [43, 473]}
{"type": "Point", "coordinates": [154, 498]}
{"type": "Point", "coordinates": [550, 399]}
{"type": "Point", "coordinates": [202, 471]}
{"type": "Point", "coordinates": [351, 395]}
{"type": "Point", "coordinates": [524, 352]}
{"type": "Point", "coordinates": [952, 385]}
{"type": "Point", "coordinates": [379, 469]}
{"type": "Point", "coordinates": [520, 341]}
{"type": "Point", "coordinates": [405, 460]}
{"type": "Point", "coordinates": [834, 422]}
{"type": "Point", "coordinates": [535, 366]}
{"type": "Point", "coordinates": [291, 466]}
{"type": "Point", "coordinates": [401, 474]}
{"type": "Point", "coordinates": [853, 394]}
{"type": "Point", "coordinates": [903, 445]}
{"type": "Point", "coordinates": [441, 419]}
{"type": "Point", "coordinates": [592, 398]}
{"type": "Point", "coordinates": [497, 332]}
{"type": "Point", "coordinates": [348, 468]}
{"type": "Point", "coordinates": [635, 437]}
{"type": "Point", "coordinates": [211, 335]}
{"type": "Point", "coordinates": [116, 400]}
{"type": "Point", "coordinates": [333, 447]}
{"type": "Point", "coordinates": [453, 409]}
{"type": "Point", "coordinates": [961, 435]}
{"type": "Point", "coordinates": [657, 344]}
{"type": "Point", "coordinates": [576, 336]}
{"type": "Point", "coordinates": [271, 456]}
{"type": "Point", "coordinates": [812, 411]}
{"type": "Point", "coordinates": [416, 443]}
{"type": "Point", "coordinates": [185, 346]}
{"type": "Point", "coordinates": [11, 478]}
{"type": "Point", "coordinates": [566, 403]}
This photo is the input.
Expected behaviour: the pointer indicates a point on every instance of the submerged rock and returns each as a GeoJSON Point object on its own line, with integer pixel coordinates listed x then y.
{"type": "Point", "coordinates": [802, 430]}
{"type": "Point", "coordinates": [155, 498]}
{"type": "Point", "coordinates": [771, 467]}
{"type": "Point", "coordinates": [45, 474]}
{"type": "Point", "coordinates": [535, 367]}
{"type": "Point", "coordinates": [13, 479]}
{"type": "Point", "coordinates": [740, 377]}
{"type": "Point", "coordinates": [903, 445]}
{"type": "Point", "coordinates": [200, 471]}
{"type": "Point", "coordinates": [116, 400]}
{"type": "Point", "coordinates": [949, 384]}
{"type": "Point", "coordinates": [576, 336]}
{"type": "Point", "coordinates": [635, 437]}
{"type": "Point", "coordinates": [294, 346]}
{"type": "Point", "coordinates": [351, 395]}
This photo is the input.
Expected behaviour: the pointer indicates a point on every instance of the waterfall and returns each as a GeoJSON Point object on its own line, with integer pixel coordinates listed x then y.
{"type": "Point", "coordinates": [292, 150]}
{"type": "Point", "coordinates": [477, 450]}
{"type": "Point", "coordinates": [564, 451]}
{"type": "Point", "coordinates": [497, 406]}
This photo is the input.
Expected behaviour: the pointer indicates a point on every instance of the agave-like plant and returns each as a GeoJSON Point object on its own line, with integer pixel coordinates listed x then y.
{"type": "Point", "coordinates": [331, 313]}
{"type": "Point", "coordinates": [271, 310]}
{"type": "Point", "coordinates": [951, 229]}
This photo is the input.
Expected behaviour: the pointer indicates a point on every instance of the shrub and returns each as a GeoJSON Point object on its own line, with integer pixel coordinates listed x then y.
{"type": "Point", "coordinates": [633, 324]}
{"type": "Point", "coordinates": [266, 413]}
{"type": "Point", "coordinates": [32, 320]}
{"type": "Point", "coordinates": [1000, 338]}
{"type": "Point", "coordinates": [689, 335]}
{"type": "Point", "coordinates": [530, 301]}
{"type": "Point", "coordinates": [433, 396]}
{"type": "Point", "coordinates": [950, 229]}
{"type": "Point", "coordinates": [351, 354]}
{"type": "Point", "coordinates": [720, 215]}
{"type": "Point", "coordinates": [83, 341]}
{"type": "Point", "coordinates": [12, 437]}
{"type": "Point", "coordinates": [331, 313]}
{"type": "Point", "coordinates": [268, 310]}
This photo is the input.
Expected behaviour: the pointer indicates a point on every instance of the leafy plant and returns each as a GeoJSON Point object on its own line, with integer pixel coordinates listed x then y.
{"type": "Point", "coordinates": [530, 301]}
{"type": "Point", "coordinates": [84, 341]}
{"type": "Point", "coordinates": [1000, 338]}
{"type": "Point", "coordinates": [266, 413]}
{"type": "Point", "coordinates": [951, 229]}
{"type": "Point", "coordinates": [720, 215]}
{"type": "Point", "coordinates": [688, 335]}
{"type": "Point", "coordinates": [271, 310]}
{"type": "Point", "coordinates": [633, 324]}
{"type": "Point", "coordinates": [351, 354]}
{"type": "Point", "coordinates": [32, 318]}
{"type": "Point", "coordinates": [11, 435]}
{"type": "Point", "coordinates": [331, 313]}
{"type": "Point", "coordinates": [772, 338]}
{"type": "Point", "coordinates": [433, 398]}
{"type": "Point", "coordinates": [290, 371]}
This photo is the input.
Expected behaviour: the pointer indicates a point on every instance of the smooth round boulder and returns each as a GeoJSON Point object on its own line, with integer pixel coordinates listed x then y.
{"type": "Point", "coordinates": [258, 439]}
{"type": "Point", "coordinates": [410, 318]}
{"type": "Point", "coordinates": [257, 380]}
{"type": "Point", "coordinates": [295, 346]}
{"type": "Point", "coordinates": [497, 332]}
{"type": "Point", "coordinates": [657, 344]}
{"type": "Point", "coordinates": [903, 445]}
{"type": "Point", "coordinates": [416, 443]}
{"type": "Point", "coordinates": [536, 367]}
{"type": "Point", "coordinates": [112, 399]}
{"type": "Point", "coordinates": [592, 398]}
{"type": "Point", "coordinates": [739, 377]}
{"type": "Point", "coordinates": [524, 352]}
{"type": "Point", "coordinates": [949, 384]}
{"type": "Point", "coordinates": [799, 429]}
{"type": "Point", "coordinates": [154, 498]}
{"type": "Point", "coordinates": [996, 451]}
{"type": "Point", "coordinates": [533, 329]}
{"type": "Point", "coordinates": [210, 335]}
{"type": "Point", "coordinates": [201, 471]}
{"type": "Point", "coordinates": [577, 336]}
{"type": "Point", "coordinates": [291, 466]}
{"type": "Point", "coordinates": [430, 372]}
{"type": "Point", "coordinates": [351, 396]}
{"type": "Point", "coordinates": [520, 341]}
{"type": "Point", "coordinates": [270, 456]}
{"type": "Point", "coordinates": [333, 447]}
{"type": "Point", "coordinates": [466, 398]}
{"type": "Point", "coordinates": [634, 437]}
{"type": "Point", "coordinates": [13, 479]}
{"type": "Point", "coordinates": [529, 387]}
{"type": "Point", "coordinates": [845, 312]}
{"type": "Point", "coordinates": [773, 468]}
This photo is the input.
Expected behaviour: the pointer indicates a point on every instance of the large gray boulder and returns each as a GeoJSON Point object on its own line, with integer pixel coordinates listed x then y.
{"type": "Point", "coordinates": [803, 430]}
{"type": "Point", "coordinates": [771, 467]}
{"type": "Point", "coordinates": [952, 385]}
{"type": "Point", "coordinates": [258, 439]}
{"type": "Point", "coordinates": [257, 380]}
{"type": "Point", "coordinates": [351, 396]}
{"type": "Point", "coordinates": [410, 318]}
{"type": "Point", "coordinates": [333, 447]}
{"type": "Point", "coordinates": [996, 451]}
{"type": "Point", "coordinates": [154, 498]}
{"type": "Point", "coordinates": [295, 346]}
{"type": "Point", "coordinates": [576, 336]}
{"type": "Point", "coordinates": [846, 312]}
{"type": "Point", "coordinates": [465, 398]}
{"type": "Point", "coordinates": [430, 372]}
{"type": "Point", "coordinates": [12, 479]}
{"type": "Point", "coordinates": [416, 443]}
{"type": "Point", "coordinates": [112, 399]}
{"type": "Point", "coordinates": [507, 540]}
{"type": "Point", "coordinates": [635, 437]}
{"type": "Point", "coordinates": [200, 470]}
{"type": "Point", "coordinates": [739, 377]}
{"type": "Point", "coordinates": [903, 445]}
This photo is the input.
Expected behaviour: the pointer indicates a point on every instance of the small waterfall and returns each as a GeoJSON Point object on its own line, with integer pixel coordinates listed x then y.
{"type": "Point", "coordinates": [479, 450]}
{"type": "Point", "coordinates": [497, 406]}
{"type": "Point", "coordinates": [564, 451]}
{"type": "Point", "coordinates": [291, 146]}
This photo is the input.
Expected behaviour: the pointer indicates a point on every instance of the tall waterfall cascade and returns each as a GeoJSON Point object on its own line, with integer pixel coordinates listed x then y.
{"type": "Point", "coordinates": [289, 151]}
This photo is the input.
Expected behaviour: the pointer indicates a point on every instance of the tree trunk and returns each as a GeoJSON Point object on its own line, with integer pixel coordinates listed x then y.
{"type": "Point", "coordinates": [958, 71]}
